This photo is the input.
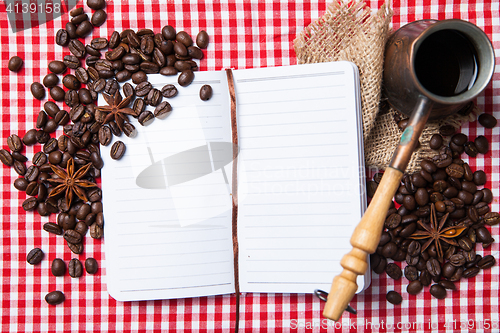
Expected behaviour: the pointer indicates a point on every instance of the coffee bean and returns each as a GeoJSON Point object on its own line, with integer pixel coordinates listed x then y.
{"type": "Point", "coordinates": [37, 90]}
{"type": "Point", "coordinates": [394, 297]}
{"type": "Point", "coordinates": [146, 117]}
{"type": "Point", "coordinates": [163, 110]}
{"type": "Point", "coordinates": [393, 271]}
{"type": "Point", "coordinates": [71, 30]}
{"type": "Point", "coordinates": [154, 97]}
{"type": "Point", "coordinates": [168, 32]}
{"type": "Point", "coordinates": [77, 48]}
{"type": "Point", "coordinates": [414, 287]}
{"type": "Point", "coordinates": [98, 18]}
{"type": "Point", "coordinates": [491, 218]}
{"type": "Point", "coordinates": [50, 80]}
{"type": "Point", "coordinates": [79, 19]}
{"type": "Point", "coordinates": [487, 194]}
{"type": "Point", "coordinates": [15, 64]}
{"type": "Point", "coordinates": [52, 228]}
{"type": "Point", "coordinates": [54, 297]}
{"type": "Point", "coordinates": [85, 97]}
{"type": "Point", "coordinates": [185, 78]}
{"type": "Point", "coordinates": [433, 267]}
{"type": "Point", "coordinates": [75, 268]}
{"type": "Point", "coordinates": [487, 120]}
{"type": "Point", "coordinates": [57, 67]}
{"type": "Point", "coordinates": [84, 28]}
{"type": "Point", "coordinates": [471, 272]}
{"type": "Point", "coordinates": [168, 71]}
{"type": "Point", "coordinates": [114, 40]}
{"type": "Point", "coordinates": [436, 141]}
{"type": "Point", "coordinates": [95, 231]}
{"type": "Point", "coordinates": [455, 170]}
{"type": "Point", "coordinates": [411, 273]}
{"type": "Point", "coordinates": [123, 75]}
{"type": "Point", "coordinates": [447, 130]}
{"type": "Point", "coordinates": [71, 82]}
{"type": "Point", "coordinates": [139, 77]}
{"type": "Point", "coordinates": [206, 92]}
{"type": "Point", "coordinates": [202, 39]}
{"type": "Point", "coordinates": [169, 91]}
{"type": "Point", "coordinates": [486, 262]}
{"type": "Point", "coordinates": [75, 248]}
{"type": "Point", "coordinates": [91, 265]}
{"type": "Point", "coordinates": [58, 267]}
{"type": "Point", "coordinates": [35, 256]}
{"type": "Point", "coordinates": [71, 236]}
{"type": "Point", "coordinates": [96, 4]}
{"type": "Point", "coordinates": [470, 149]}
{"type": "Point", "coordinates": [481, 144]}
{"type": "Point", "coordinates": [117, 150]}
{"type": "Point", "coordinates": [438, 291]}
{"type": "Point", "coordinates": [14, 142]}
{"type": "Point", "coordinates": [62, 37]}
{"type": "Point", "coordinates": [57, 93]}
{"type": "Point", "coordinates": [21, 184]}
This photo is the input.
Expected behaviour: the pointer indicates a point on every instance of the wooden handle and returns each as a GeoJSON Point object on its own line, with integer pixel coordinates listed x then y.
{"type": "Point", "coordinates": [364, 240]}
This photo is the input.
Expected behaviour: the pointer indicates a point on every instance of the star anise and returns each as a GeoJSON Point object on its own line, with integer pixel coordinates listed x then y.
{"type": "Point", "coordinates": [71, 181]}
{"type": "Point", "coordinates": [116, 109]}
{"type": "Point", "coordinates": [436, 233]}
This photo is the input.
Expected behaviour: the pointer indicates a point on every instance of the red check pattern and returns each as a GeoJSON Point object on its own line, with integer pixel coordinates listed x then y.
{"type": "Point", "coordinates": [244, 34]}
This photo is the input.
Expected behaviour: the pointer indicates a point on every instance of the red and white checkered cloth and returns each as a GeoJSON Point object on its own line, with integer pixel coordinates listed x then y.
{"type": "Point", "coordinates": [243, 34]}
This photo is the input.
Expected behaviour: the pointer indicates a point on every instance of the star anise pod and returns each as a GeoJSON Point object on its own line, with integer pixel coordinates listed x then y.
{"type": "Point", "coordinates": [116, 109]}
{"type": "Point", "coordinates": [71, 182]}
{"type": "Point", "coordinates": [436, 233]}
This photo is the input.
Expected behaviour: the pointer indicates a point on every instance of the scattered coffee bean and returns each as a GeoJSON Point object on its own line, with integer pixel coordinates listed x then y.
{"type": "Point", "coordinates": [54, 297]}
{"type": "Point", "coordinates": [206, 92]}
{"type": "Point", "coordinates": [436, 141]}
{"type": "Point", "coordinates": [394, 297]}
{"type": "Point", "coordinates": [38, 90]}
{"type": "Point", "coordinates": [75, 268]}
{"type": "Point", "coordinates": [438, 291]}
{"type": "Point", "coordinates": [117, 150]}
{"type": "Point", "coordinates": [15, 64]}
{"type": "Point", "coordinates": [91, 265]}
{"type": "Point", "coordinates": [35, 256]}
{"type": "Point", "coordinates": [185, 78]}
{"type": "Point", "coordinates": [487, 120]}
{"type": "Point", "coordinates": [98, 18]}
{"type": "Point", "coordinates": [96, 4]}
{"type": "Point", "coordinates": [481, 144]}
{"type": "Point", "coordinates": [58, 267]}
{"type": "Point", "coordinates": [414, 287]}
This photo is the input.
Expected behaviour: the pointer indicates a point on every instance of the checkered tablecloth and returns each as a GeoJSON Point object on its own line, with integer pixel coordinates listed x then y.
{"type": "Point", "coordinates": [243, 34]}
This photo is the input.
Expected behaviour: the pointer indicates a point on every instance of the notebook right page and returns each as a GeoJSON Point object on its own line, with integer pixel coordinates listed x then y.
{"type": "Point", "coordinates": [300, 174]}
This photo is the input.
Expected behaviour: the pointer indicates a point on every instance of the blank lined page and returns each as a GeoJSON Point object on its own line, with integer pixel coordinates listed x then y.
{"type": "Point", "coordinates": [300, 174]}
{"type": "Point", "coordinates": [168, 223]}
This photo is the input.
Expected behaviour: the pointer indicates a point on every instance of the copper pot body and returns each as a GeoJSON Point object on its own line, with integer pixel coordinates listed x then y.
{"type": "Point", "coordinates": [402, 85]}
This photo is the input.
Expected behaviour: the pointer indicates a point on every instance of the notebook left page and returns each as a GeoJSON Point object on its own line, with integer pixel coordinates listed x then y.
{"type": "Point", "coordinates": [167, 202]}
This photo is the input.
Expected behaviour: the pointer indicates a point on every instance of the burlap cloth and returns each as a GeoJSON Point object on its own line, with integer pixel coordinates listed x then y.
{"type": "Point", "coordinates": [351, 31]}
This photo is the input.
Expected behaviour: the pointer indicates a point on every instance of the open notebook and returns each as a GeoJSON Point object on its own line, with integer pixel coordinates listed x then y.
{"type": "Point", "coordinates": [300, 186]}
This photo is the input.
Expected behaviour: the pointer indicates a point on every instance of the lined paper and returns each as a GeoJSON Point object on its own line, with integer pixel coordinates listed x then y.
{"type": "Point", "coordinates": [174, 241]}
{"type": "Point", "coordinates": [300, 174]}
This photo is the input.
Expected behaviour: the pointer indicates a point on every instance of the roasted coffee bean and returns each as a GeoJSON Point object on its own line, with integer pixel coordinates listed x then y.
{"type": "Point", "coordinates": [447, 130]}
{"type": "Point", "coordinates": [105, 135]}
{"type": "Point", "coordinates": [486, 262]}
{"type": "Point", "coordinates": [470, 149]}
{"type": "Point", "coordinates": [482, 234]}
{"type": "Point", "coordinates": [389, 250]}
{"type": "Point", "coordinates": [414, 248]}
{"type": "Point", "coordinates": [163, 110]}
{"type": "Point", "coordinates": [411, 273]}
{"type": "Point", "coordinates": [71, 236]}
{"type": "Point", "coordinates": [96, 160]}
{"type": "Point", "coordinates": [169, 91]}
{"type": "Point", "coordinates": [491, 218]}
{"type": "Point", "coordinates": [62, 37]}
{"type": "Point", "coordinates": [139, 77]}
{"type": "Point", "coordinates": [81, 228]}
{"type": "Point", "coordinates": [75, 248]}
{"type": "Point", "coordinates": [35, 256]}
{"type": "Point", "coordinates": [96, 4]}
{"type": "Point", "coordinates": [6, 157]}
{"type": "Point", "coordinates": [123, 75]}
{"type": "Point", "coordinates": [78, 19]}
{"type": "Point", "coordinates": [54, 297]}
{"type": "Point", "coordinates": [49, 127]}
{"type": "Point", "coordinates": [71, 82]}
{"type": "Point", "coordinates": [194, 52]}
{"type": "Point", "coordinates": [84, 28]}
{"type": "Point", "coordinates": [21, 184]}
{"type": "Point", "coordinates": [147, 45]}
{"type": "Point", "coordinates": [479, 177]}
{"type": "Point", "coordinates": [98, 18]}
{"type": "Point", "coordinates": [471, 272]}
{"type": "Point", "coordinates": [184, 38]}
{"type": "Point", "coordinates": [30, 204]}
{"type": "Point", "coordinates": [433, 267]}
{"type": "Point", "coordinates": [146, 117]}
{"type": "Point", "coordinates": [91, 265]}
{"type": "Point", "coordinates": [32, 188]}
{"type": "Point", "coordinates": [99, 220]}
{"type": "Point", "coordinates": [52, 228]}
{"type": "Point", "coordinates": [393, 271]}
{"type": "Point", "coordinates": [112, 86]}
{"type": "Point", "coordinates": [77, 48]}
{"type": "Point", "coordinates": [481, 144]}
{"type": "Point", "coordinates": [168, 71]}
{"type": "Point", "coordinates": [71, 98]}
{"type": "Point", "coordinates": [394, 297]}
{"type": "Point", "coordinates": [448, 270]}
{"type": "Point", "coordinates": [50, 80]}
{"type": "Point", "coordinates": [459, 139]}
{"type": "Point", "coordinates": [114, 128]}
{"type": "Point", "coordinates": [469, 187]}
{"type": "Point", "coordinates": [95, 231]}
{"type": "Point", "coordinates": [409, 202]}
{"type": "Point", "coordinates": [14, 142]}
{"type": "Point", "coordinates": [50, 146]}
{"type": "Point", "coordinates": [206, 93]}
{"type": "Point", "coordinates": [57, 93]}
{"type": "Point", "coordinates": [149, 67]}
{"type": "Point", "coordinates": [202, 39]}
{"type": "Point", "coordinates": [408, 230]}
{"type": "Point", "coordinates": [38, 90]}
{"type": "Point", "coordinates": [487, 120]}
{"type": "Point", "coordinates": [116, 53]}
{"type": "Point", "coordinates": [428, 166]}
{"type": "Point", "coordinates": [19, 157]}
{"type": "Point", "coordinates": [436, 141]}
{"type": "Point", "coordinates": [71, 30]}
{"type": "Point", "coordinates": [455, 170]}
{"type": "Point", "coordinates": [168, 32]}
{"type": "Point", "coordinates": [414, 287]}
{"type": "Point", "coordinates": [75, 268]}
{"type": "Point", "coordinates": [438, 291]}
{"type": "Point", "coordinates": [129, 130]}
{"type": "Point", "coordinates": [58, 267]}
{"type": "Point", "coordinates": [185, 78]}
{"type": "Point", "coordinates": [76, 12]}
{"type": "Point", "coordinates": [114, 40]}
{"type": "Point", "coordinates": [154, 97]}
{"type": "Point", "coordinates": [32, 173]}
{"type": "Point", "coordinates": [84, 96]}
{"type": "Point", "coordinates": [117, 150]}
{"type": "Point", "coordinates": [57, 67]}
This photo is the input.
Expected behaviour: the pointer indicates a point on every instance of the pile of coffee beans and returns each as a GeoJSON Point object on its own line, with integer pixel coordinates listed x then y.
{"type": "Point", "coordinates": [130, 55]}
{"type": "Point", "coordinates": [446, 184]}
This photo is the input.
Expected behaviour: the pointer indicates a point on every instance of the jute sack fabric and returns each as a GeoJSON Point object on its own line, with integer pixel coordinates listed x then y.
{"type": "Point", "coordinates": [351, 31]}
